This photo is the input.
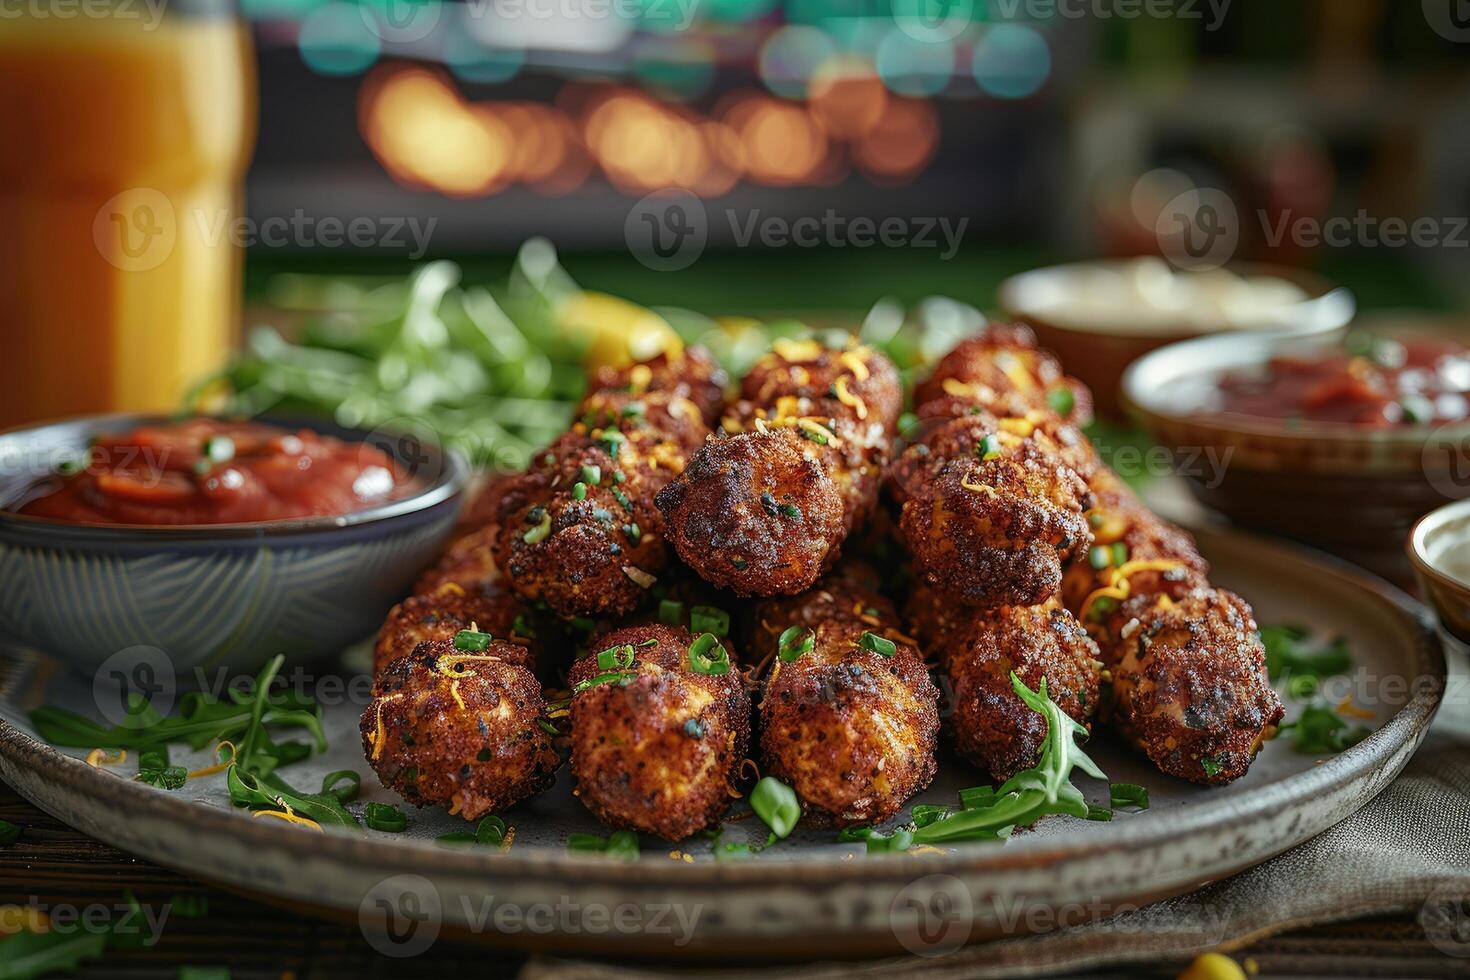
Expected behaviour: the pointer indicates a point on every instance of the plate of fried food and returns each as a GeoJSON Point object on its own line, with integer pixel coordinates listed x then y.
{"type": "Point", "coordinates": [787, 671]}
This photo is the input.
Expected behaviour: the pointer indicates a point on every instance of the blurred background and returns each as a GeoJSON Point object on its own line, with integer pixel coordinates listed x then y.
{"type": "Point", "coordinates": [183, 172]}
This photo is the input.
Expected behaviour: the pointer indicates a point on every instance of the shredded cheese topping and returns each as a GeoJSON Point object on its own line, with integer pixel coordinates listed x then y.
{"type": "Point", "coordinates": [854, 363]}
{"type": "Point", "coordinates": [978, 487]}
{"type": "Point", "coordinates": [639, 378]}
{"type": "Point", "coordinates": [796, 350]}
{"type": "Point", "coordinates": [849, 399]}
{"type": "Point", "coordinates": [1119, 587]}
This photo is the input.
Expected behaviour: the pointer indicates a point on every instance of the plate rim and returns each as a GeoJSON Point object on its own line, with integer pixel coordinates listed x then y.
{"type": "Point", "coordinates": [413, 856]}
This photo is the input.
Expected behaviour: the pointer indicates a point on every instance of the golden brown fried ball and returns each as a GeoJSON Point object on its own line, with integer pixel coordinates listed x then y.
{"type": "Point", "coordinates": [691, 373]}
{"type": "Point", "coordinates": [467, 563]}
{"type": "Point", "coordinates": [848, 594]}
{"type": "Point", "coordinates": [581, 533]}
{"type": "Point", "coordinates": [1004, 360]}
{"type": "Point", "coordinates": [459, 728]}
{"type": "Point", "coordinates": [648, 419]}
{"type": "Point", "coordinates": [1189, 684]}
{"type": "Point", "coordinates": [441, 614]}
{"type": "Point", "coordinates": [656, 745]}
{"type": "Point", "coordinates": [852, 731]}
{"type": "Point", "coordinates": [1125, 534]}
{"type": "Point", "coordinates": [992, 727]}
{"type": "Point", "coordinates": [995, 528]}
{"type": "Point", "coordinates": [860, 378]}
{"type": "Point", "coordinates": [754, 513]}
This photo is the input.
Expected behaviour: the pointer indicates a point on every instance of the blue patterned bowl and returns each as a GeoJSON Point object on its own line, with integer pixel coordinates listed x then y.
{"type": "Point", "coordinates": [210, 598]}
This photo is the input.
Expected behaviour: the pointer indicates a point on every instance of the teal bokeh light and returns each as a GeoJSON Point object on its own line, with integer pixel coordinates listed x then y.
{"type": "Point", "coordinates": [913, 67]}
{"type": "Point", "coordinates": [335, 39]}
{"type": "Point", "coordinates": [1011, 61]}
{"type": "Point", "coordinates": [472, 61]}
{"type": "Point", "coordinates": [791, 56]}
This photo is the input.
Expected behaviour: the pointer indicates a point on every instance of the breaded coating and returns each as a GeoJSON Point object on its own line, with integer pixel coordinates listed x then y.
{"type": "Point", "coordinates": [665, 415]}
{"type": "Point", "coordinates": [457, 728]}
{"type": "Point", "coordinates": [468, 562]}
{"type": "Point", "coordinates": [441, 614]}
{"type": "Point", "coordinates": [764, 510]}
{"type": "Point", "coordinates": [1189, 683]}
{"type": "Point", "coordinates": [853, 731]}
{"type": "Point", "coordinates": [691, 373]}
{"type": "Point", "coordinates": [1156, 557]}
{"type": "Point", "coordinates": [656, 744]}
{"type": "Point", "coordinates": [753, 513]}
{"type": "Point", "coordinates": [992, 727]}
{"type": "Point", "coordinates": [848, 593]}
{"type": "Point", "coordinates": [1004, 360]}
{"type": "Point", "coordinates": [994, 527]}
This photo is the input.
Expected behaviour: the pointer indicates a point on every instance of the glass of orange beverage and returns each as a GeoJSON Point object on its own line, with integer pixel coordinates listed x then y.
{"type": "Point", "coordinates": [126, 126]}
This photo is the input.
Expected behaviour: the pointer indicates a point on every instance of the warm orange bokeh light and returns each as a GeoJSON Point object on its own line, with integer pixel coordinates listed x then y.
{"type": "Point", "coordinates": [426, 136]}
{"type": "Point", "coordinates": [782, 144]}
{"type": "Point", "coordinates": [902, 143]}
{"type": "Point", "coordinates": [847, 97]}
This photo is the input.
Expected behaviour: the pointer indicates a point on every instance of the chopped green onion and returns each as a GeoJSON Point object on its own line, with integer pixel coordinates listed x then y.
{"type": "Point", "coordinates": [926, 813]}
{"type": "Point", "coordinates": [777, 805]}
{"type": "Point", "coordinates": [1128, 794]}
{"type": "Point", "coordinates": [622, 498]}
{"type": "Point", "coordinates": [880, 645]}
{"type": "Point", "coordinates": [541, 531]}
{"type": "Point", "coordinates": [707, 656]}
{"type": "Point", "coordinates": [633, 531]}
{"type": "Point", "coordinates": [908, 425]}
{"type": "Point", "coordinates": [344, 784]}
{"type": "Point", "coordinates": [633, 409]}
{"type": "Point", "coordinates": [1061, 400]}
{"type": "Point", "coordinates": [671, 612]}
{"type": "Point", "coordinates": [592, 474]}
{"type": "Point", "coordinates": [791, 510]}
{"type": "Point", "coordinates": [460, 838]}
{"type": "Point", "coordinates": [1098, 813]}
{"type": "Point", "coordinates": [852, 835]}
{"type": "Point", "coordinates": [795, 641]}
{"type": "Point", "coordinates": [709, 619]}
{"type": "Point", "coordinates": [1120, 554]}
{"type": "Point", "coordinates": [1100, 557]}
{"type": "Point", "coordinates": [579, 490]}
{"type": "Point", "coordinates": [218, 449]}
{"type": "Point", "coordinates": [1102, 606]}
{"type": "Point", "coordinates": [620, 677]}
{"type": "Point", "coordinates": [386, 817]}
{"type": "Point", "coordinates": [616, 658]}
{"type": "Point", "coordinates": [619, 476]}
{"type": "Point", "coordinates": [694, 728]}
{"type": "Point", "coordinates": [472, 641]}
{"type": "Point", "coordinates": [816, 437]}
{"type": "Point", "coordinates": [989, 448]}
{"type": "Point", "coordinates": [1211, 766]}
{"type": "Point", "coordinates": [620, 845]}
{"type": "Point", "coordinates": [490, 831]}
{"type": "Point", "coordinates": [522, 627]}
{"type": "Point", "coordinates": [977, 796]}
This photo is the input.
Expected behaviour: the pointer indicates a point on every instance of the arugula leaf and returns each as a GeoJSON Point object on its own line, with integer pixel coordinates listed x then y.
{"type": "Point", "coordinates": [1286, 658]}
{"type": "Point", "coordinates": [1318, 730]}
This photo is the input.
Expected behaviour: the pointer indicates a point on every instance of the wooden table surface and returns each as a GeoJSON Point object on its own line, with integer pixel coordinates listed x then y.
{"type": "Point", "coordinates": [52, 865]}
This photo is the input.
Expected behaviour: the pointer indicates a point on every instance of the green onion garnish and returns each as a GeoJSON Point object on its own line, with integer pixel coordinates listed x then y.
{"type": "Point", "coordinates": [633, 409]}
{"type": "Point", "coordinates": [1128, 794]}
{"type": "Point", "coordinates": [633, 531]}
{"type": "Point", "coordinates": [1098, 813]}
{"type": "Point", "coordinates": [616, 658]}
{"type": "Point", "coordinates": [218, 449]}
{"type": "Point", "coordinates": [472, 640]}
{"type": "Point", "coordinates": [579, 491]}
{"type": "Point", "coordinates": [795, 641]}
{"type": "Point", "coordinates": [880, 645]}
{"type": "Point", "coordinates": [541, 531]}
{"type": "Point", "coordinates": [592, 474]}
{"type": "Point", "coordinates": [671, 612]}
{"type": "Point", "coordinates": [791, 510]}
{"type": "Point", "coordinates": [989, 448]}
{"type": "Point", "coordinates": [622, 498]}
{"type": "Point", "coordinates": [1100, 557]}
{"type": "Point", "coordinates": [707, 656]}
{"type": "Point", "coordinates": [490, 831]}
{"type": "Point", "coordinates": [621, 845]}
{"type": "Point", "coordinates": [619, 677]}
{"type": "Point", "coordinates": [1120, 554]}
{"type": "Point", "coordinates": [1211, 766]}
{"type": "Point", "coordinates": [776, 804]}
{"type": "Point", "coordinates": [709, 619]}
{"type": "Point", "coordinates": [899, 840]}
{"type": "Point", "coordinates": [1061, 400]}
{"type": "Point", "coordinates": [815, 437]}
{"type": "Point", "coordinates": [386, 817]}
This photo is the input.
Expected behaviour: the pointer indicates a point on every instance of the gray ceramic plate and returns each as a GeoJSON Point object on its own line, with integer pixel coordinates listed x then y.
{"type": "Point", "coordinates": [810, 895]}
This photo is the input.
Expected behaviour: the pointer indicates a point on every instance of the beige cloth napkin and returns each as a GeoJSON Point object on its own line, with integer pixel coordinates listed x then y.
{"type": "Point", "coordinates": [1408, 851]}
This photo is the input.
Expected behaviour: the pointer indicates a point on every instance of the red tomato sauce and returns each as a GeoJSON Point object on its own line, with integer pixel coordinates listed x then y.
{"type": "Point", "coordinates": [204, 471]}
{"type": "Point", "coordinates": [1375, 383]}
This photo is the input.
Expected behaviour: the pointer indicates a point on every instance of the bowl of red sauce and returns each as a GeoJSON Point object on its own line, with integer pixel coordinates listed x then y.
{"type": "Point", "coordinates": [216, 543]}
{"type": "Point", "coordinates": [1342, 443]}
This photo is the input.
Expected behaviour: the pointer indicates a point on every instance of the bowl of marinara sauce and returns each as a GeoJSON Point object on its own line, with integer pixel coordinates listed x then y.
{"type": "Point", "coordinates": [205, 543]}
{"type": "Point", "coordinates": [1342, 443]}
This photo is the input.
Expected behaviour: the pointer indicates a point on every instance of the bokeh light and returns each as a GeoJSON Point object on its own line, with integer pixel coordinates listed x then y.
{"type": "Point", "coordinates": [847, 97]}
{"type": "Point", "coordinates": [913, 67]}
{"type": "Point", "coordinates": [336, 40]}
{"type": "Point", "coordinates": [904, 140]}
{"type": "Point", "coordinates": [675, 70]}
{"type": "Point", "coordinates": [1011, 61]}
{"type": "Point", "coordinates": [783, 145]}
{"type": "Point", "coordinates": [473, 61]}
{"type": "Point", "coordinates": [791, 56]}
{"type": "Point", "coordinates": [425, 135]}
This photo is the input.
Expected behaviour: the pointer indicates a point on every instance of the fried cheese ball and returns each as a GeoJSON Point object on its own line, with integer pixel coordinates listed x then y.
{"type": "Point", "coordinates": [1189, 684]}
{"type": "Point", "coordinates": [977, 650]}
{"type": "Point", "coordinates": [660, 723]}
{"type": "Point", "coordinates": [467, 563]}
{"type": "Point", "coordinates": [764, 509]}
{"type": "Point", "coordinates": [459, 728]}
{"type": "Point", "coordinates": [1129, 541]}
{"type": "Point", "coordinates": [995, 526]}
{"type": "Point", "coordinates": [1003, 360]}
{"type": "Point", "coordinates": [450, 608]}
{"type": "Point", "coordinates": [579, 530]}
{"type": "Point", "coordinates": [849, 722]}
{"type": "Point", "coordinates": [691, 373]}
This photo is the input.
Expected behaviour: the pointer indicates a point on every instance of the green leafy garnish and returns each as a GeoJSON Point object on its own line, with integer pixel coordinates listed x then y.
{"type": "Point", "coordinates": [1128, 794]}
{"type": "Point", "coordinates": [708, 656]}
{"type": "Point", "coordinates": [1318, 730]}
{"type": "Point", "coordinates": [1286, 658]}
{"type": "Point", "coordinates": [880, 645]}
{"type": "Point", "coordinates": [541, 531]}
{"type": "Point", "coordinates": [386, 817]}
{"type": "Point", "coordinates": [989, 448]}
{"type": "Point", "coordinates": [609, 677]}
{"type": "Point", "coordinates": [472, 641]}
{"type": "Point", "coordinates": [621, 845]}
{"type": "Point", "coordinates": [777, 805]}
{"type": "Point", "coordinates": [709, 619]}
{"type": "Point", "coordinates": [1061, 400]}
{"type": "Point", "coordinates": [1211, 766]}
{"type": "Point", "coordinates": [616, 658]}
{"type": "Point", "coordinates": [795, 641]}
